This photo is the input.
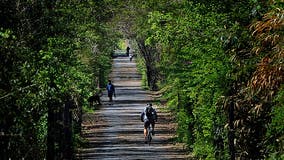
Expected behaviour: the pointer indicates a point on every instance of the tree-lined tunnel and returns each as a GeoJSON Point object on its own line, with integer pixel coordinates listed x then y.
{"type": "Point", "coordinates": [214, 70]}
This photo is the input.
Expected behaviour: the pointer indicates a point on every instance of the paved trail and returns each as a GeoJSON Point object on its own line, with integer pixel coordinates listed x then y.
{"type": "Point", "coordinates": [116, 132]}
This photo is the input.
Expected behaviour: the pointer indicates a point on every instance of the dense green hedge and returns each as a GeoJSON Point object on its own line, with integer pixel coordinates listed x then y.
{"type": "Point", "coordinates": [210, 56]}
{"type": "Point", "coordinates": [52, 52]}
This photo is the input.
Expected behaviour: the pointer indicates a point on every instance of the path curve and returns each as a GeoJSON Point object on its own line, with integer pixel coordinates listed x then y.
{"type": "Point", "coordinates": [116, 132]}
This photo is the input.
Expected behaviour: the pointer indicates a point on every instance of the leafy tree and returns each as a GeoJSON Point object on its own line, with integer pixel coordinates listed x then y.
{"type": "Point", "coordinates": [254, 103]}
{"type": "Point", "coordinates": [217, 63]}
{"type": "Point", "coordinates": [196, 48]}
{"type": "Point", "coordinates": [50, 51]}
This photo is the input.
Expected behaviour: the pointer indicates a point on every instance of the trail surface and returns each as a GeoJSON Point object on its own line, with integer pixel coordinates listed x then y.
{"type": "Point", "coordinates": [115, 131]}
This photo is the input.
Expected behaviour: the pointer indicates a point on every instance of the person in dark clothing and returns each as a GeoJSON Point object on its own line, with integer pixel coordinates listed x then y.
{"type": "Point", "coordinates": [127, 51]}
{"type": "Point", "coordinates": [110, 90]}
{"type": "Point", "coordinates": [149, 117]}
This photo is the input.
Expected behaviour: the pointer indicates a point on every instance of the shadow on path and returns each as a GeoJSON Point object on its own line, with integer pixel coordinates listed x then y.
{"type": "Point", "coordinates": [116, 132]}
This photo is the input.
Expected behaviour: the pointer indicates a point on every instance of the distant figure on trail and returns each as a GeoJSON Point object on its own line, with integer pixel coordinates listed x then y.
{"type": "Point", "coordinates": [127, 51]}
{"type": "Point", "coordinates": [131, 56]}
{"type": "Point", "coordinates": [149, 117]}
{"type": "Point", "coordinates": [110, 90]}
{"type": "Point", "coordinates": [95, 98]}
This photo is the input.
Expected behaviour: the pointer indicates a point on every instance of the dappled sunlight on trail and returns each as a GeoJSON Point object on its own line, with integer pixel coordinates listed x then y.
{"type": "Point", "coordinates": [115, 131]}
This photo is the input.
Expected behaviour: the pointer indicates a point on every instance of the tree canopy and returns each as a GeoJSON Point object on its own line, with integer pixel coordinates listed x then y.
{"type": "Point", "coordinates": [219, 65]}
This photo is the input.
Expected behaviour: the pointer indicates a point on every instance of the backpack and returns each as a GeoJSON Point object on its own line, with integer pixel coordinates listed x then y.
{"type": "Point", "coordinates": [151, 113]}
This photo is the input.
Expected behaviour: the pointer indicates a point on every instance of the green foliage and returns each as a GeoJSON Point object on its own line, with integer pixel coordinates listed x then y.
{"type": "Point", "coordinates": [276, 128]}
{"type": "Point", "coordinates": [182, 130]}
{"type": "Point", "coordinates": [201, 65]}
{"type": "Point", "coordinates": [49, 51]}
{"type": "Point", "coordinates": [79, 141]}
{"type": "Point", "coordinates": [277, 124]}
{"type": "Point", "coordinates": [122, 44]}
{"type": "Point", "coordinates": [198, 52]}
{"type": "Point", "coordinates": [203, 55]}
{"type": "Point", "coordinates": [142, 70]}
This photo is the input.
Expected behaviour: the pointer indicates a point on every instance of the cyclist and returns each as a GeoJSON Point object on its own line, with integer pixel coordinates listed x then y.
{"type": "Point", "coordinates": [149, 117]}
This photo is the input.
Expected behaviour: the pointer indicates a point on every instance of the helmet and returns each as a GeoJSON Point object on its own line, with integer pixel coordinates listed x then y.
{"type": "Point", "coordinates": [149, 107]}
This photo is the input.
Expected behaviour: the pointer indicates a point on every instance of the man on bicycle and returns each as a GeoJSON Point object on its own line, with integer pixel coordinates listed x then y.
{"type": "Point", "coordinates": [149, 117]}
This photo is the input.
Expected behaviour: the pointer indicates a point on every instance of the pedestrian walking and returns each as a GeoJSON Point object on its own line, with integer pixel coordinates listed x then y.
{"type": "Point", "coordinates": [110, 90]}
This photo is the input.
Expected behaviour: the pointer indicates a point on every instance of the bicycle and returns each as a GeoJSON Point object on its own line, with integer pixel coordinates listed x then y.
{"type": "Point", "coordinates": [149, 134]}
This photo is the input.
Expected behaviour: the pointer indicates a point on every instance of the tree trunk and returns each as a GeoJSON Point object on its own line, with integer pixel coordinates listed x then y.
{"type": "Point", "coordinates": [67, 147]}
{"type": "Point", "coordinates": [231, 134]}
{"type": "Point", "coordinates": [50, 134]}
{"type": "Point", "coordinates": [150, 57]}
